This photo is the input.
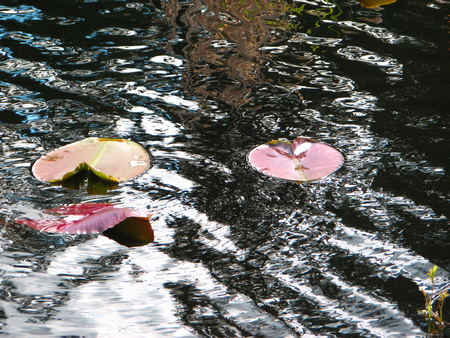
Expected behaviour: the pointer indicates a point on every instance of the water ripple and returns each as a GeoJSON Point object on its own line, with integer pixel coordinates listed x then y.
{"type": "Point", "coordinates": [20, 13]}
{"type": "Point", "coordinates": [383, 34]}
{"type": "Point", "coordinates": [236, 254]}
{"type": "Point", "coordinates": [316, 40]}
{"type": "Point", "coordinates": [388, 65]}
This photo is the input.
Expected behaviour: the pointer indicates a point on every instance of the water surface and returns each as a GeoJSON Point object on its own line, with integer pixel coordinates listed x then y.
{"type": "Point", "coordinates": [236, 253]}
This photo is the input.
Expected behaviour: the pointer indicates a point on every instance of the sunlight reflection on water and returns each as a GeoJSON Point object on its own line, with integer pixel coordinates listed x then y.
{"type": "Point", "coordinates": [236, 254]}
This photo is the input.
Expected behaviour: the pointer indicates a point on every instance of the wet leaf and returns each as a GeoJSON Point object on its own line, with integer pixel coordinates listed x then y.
{"type": "Point", "coordinates": [95, 185]}
{"type": "Point", "coordinates": [113, 160]}
{"type": "Point", "coordinates": [132, 231]}
{"type": "Point", "coordinates": [375, 3]}
{"type": "Point", "coordinates": [303, 160]}
{"type": "Point", "coordinates": [126, 226]}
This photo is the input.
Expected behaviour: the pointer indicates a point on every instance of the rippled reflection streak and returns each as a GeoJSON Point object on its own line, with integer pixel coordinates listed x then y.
{"type": "Point", "coordinates": [226, 40]}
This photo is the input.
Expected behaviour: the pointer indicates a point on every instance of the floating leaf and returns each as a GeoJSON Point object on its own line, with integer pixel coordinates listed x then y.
{"type": "Point", "coordinates": [88, 218]}
{"type": "Point", "coordinates": [113, 160]}
{"type": "Point", "coordinates": [132, 231]}
{"type": "Point", "coordinates": [375, 3]}
{"type": "Point", "coordinates": [127, 226]}
{"type": "Point", "coordinates": [303, 160]}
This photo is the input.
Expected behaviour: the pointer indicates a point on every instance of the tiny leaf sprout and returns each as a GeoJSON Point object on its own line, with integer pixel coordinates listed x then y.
{"type": "Point", "coordinates": [434, 303]}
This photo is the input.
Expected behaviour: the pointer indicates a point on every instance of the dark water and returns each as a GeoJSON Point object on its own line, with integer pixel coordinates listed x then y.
{"type": "Point", "coordinates": [200, 83]}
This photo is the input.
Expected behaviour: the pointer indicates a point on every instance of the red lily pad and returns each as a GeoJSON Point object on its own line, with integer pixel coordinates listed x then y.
{"type": "Point", "coordinates": [303, 160]}
{"type": "Point", "coordinates": [127, 226]}
{"type": "Point", "coordinates": [114, 160]}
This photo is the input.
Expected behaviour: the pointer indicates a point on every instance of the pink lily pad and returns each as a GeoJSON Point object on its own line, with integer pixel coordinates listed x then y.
{"type": "Point", "coordinates": [127, 226]}
{"type": "Point", "coordinates": [110, 159]}
{"type": "Point", "coordinates": [303, 160]}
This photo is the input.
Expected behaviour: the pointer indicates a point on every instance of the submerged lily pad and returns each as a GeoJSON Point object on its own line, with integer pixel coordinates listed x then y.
{"type": "Point", "coordinates": [303, 160]}
{"type": "Point", "coordinates": [126, 226]}
{"type": "Point", "coordinates": [113, 160]}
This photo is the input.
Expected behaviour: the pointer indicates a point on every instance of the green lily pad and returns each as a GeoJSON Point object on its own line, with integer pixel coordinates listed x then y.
{"type": "Point", "coordinates": [113, 160]}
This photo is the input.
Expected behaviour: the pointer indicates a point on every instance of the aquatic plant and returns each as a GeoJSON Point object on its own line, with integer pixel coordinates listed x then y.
{"type": "Point", "coordinates": [126, 226]}
{"type": "Point", "coordinates": [112, 160]}
{"type": "Point", "coordinates": [103, 163]}
{"type": "Point", "coordinates": [434, 317]}
{"type": "Point", "coordinates": [303, 160]}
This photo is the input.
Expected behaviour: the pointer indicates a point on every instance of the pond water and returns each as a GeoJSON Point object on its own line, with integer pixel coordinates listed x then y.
{"type": "Point", "coordinates": [199, 84]}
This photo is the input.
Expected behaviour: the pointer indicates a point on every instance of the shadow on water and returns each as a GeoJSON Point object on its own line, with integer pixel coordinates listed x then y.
{"type": "Point", "coordinates": [200, 83]}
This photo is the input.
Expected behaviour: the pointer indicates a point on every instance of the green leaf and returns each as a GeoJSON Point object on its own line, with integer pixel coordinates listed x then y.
{"type": "Point", "coordinates": [432, 273]}
{"type": "Point", "coordinates": [113, 160]}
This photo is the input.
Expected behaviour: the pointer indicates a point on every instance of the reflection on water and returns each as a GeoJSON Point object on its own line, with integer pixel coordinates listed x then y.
{"type": "Point", "coordinates": [375, 3]}
{"type": "Point", "coordinates": [200, 83]}
{"type": "Point", "coordinates": [233, 40]}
